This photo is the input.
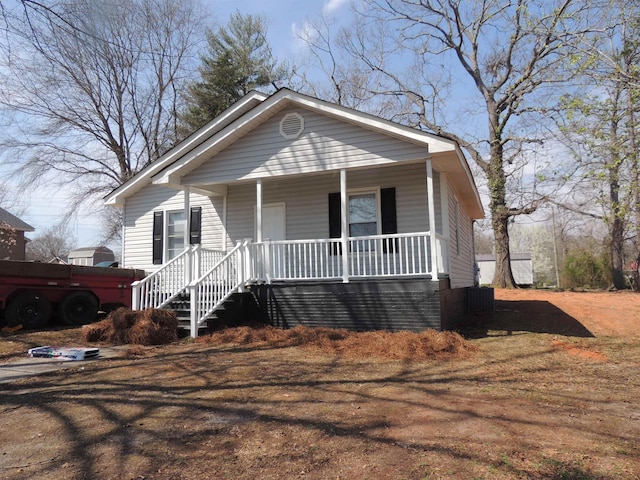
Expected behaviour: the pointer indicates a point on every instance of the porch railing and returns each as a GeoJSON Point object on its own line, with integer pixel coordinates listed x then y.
{"type": "Point", "coordinates": [296, 260]}
{"type": "Point", "coordinates": [209, 291]}
{"type": "Point", "coordinates": [377, 256]}
{"type": "Point", "coordinates": [162, 286]}
{"type": "Point", "coordinates": [390, 255]}
{"type": "Point", "coordinates": [372, 256]}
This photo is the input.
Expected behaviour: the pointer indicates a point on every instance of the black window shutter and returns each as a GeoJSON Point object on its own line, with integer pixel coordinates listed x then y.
{"type": "Point", "coordinates": [195, 225]}
{"type": "Point", "coordinates": [389, 218]}
{"type": "Point", "coordinates": [335, 216]}
{"type": "Point", "coordinates": [158, 228]}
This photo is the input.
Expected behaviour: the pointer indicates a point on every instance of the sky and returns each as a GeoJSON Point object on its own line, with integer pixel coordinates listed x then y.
{"type": "Point", "coordinates": [45, 206]}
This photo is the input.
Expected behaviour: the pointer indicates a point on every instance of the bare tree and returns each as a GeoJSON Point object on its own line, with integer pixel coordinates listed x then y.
{"type": "Point", "coordinates": [55, 242]}
{"type": "Point", "coordinates": [602, 129]}
{"type": "Point", "coordinates": [513, 55]}
{"type": "Point", "coordinates": [93, 87]}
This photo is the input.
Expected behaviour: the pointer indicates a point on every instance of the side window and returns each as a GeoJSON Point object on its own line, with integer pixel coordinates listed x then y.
{"type": "Point", "coordinates": [176, 225]}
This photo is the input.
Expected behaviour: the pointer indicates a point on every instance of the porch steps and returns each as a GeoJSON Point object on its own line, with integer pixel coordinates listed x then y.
{"type": "Point", "coordinates": [233, 311]}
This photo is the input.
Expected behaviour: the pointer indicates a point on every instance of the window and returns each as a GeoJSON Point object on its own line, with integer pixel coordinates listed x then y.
{"type": "Point", "coordinates": [176, 224]}
{"type": "Point", "coordinates": [363, 215]}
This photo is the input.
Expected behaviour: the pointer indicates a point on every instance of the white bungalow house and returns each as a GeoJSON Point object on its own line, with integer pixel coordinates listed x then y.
{"type": "Point", "coordinates": [308, 213]}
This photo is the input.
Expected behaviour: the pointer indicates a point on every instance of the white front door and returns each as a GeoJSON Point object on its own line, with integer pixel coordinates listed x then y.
{"type": "Point", "coordinates": [273, 222]}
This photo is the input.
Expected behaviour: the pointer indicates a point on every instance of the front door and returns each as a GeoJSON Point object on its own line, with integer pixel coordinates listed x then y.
{"type": "Point", "coordinates": [273, 222]}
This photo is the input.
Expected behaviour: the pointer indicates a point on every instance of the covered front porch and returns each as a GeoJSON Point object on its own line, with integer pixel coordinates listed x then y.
{"type": "Point", "coordinates": [270, 252]}
{"type": "Point", "coordinates": [207, 278]}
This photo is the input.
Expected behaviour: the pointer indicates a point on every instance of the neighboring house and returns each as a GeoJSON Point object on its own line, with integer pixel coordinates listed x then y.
{"type": "Point", "coordinates": [521, 266]}
{"type": "Point", "coordinates": [320, 214]}
{"type": "Point", "coordinates": [13, 249]}
{"type": "Point", "coordinates": [91, 256]}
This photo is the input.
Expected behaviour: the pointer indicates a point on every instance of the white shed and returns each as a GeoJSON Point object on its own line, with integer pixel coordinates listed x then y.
{"type": "Point", "coordinates": [91, 256]}
{"type": "Point", "coordinates": [521, 266]}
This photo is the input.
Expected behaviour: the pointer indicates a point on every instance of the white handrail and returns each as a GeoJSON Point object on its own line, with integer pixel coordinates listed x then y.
{"type": "Point", "coordinates": [156, 289]}
{"type": "Point", "coordinates": [209, 291]}
{"type": "Point", "coordinates": [162, 286]}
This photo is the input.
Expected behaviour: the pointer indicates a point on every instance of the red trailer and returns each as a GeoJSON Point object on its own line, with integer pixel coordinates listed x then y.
{"type": "Point", "coordinates": [31, 294]}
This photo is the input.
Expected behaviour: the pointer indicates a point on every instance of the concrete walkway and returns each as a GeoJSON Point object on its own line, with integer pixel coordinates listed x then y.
{"type": "Point", "coordinates": [30, 367]}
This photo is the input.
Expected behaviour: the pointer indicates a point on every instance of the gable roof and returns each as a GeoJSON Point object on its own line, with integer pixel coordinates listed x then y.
{"type": "Point", "coordinates": [218, 135]}
{"type": "Point", "coordinates": [14, 221]}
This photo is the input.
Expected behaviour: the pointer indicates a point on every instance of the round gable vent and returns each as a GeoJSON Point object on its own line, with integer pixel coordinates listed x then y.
{"type": "Point", "coordinates": [291, 126]}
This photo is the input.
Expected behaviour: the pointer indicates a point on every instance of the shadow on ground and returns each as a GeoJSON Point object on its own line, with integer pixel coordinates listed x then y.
{"type": "Point", "coordinates": [533, 316]}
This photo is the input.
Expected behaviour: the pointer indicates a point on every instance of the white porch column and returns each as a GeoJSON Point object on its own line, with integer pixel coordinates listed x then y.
{"type": "Point", "coordinates": [187, 211]}
{"type": "Point", "coordinates": [432, 219]}
{"type": "Point", "coordinates": [223, 245]}
{"type": "Point", "coordinates": [187, 218]}
{"type": "Point", "coordinates": [259, 210]}
{"type": "Point", "coordinates": [344, 225]}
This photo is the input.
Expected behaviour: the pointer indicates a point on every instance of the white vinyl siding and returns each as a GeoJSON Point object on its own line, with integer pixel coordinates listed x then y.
{"type": "Point", "coordinates": [325, 144]}
{"type": "Point", "coordinates": [138, 222]}
{"type": "Point", "coordinates": [461, 262]}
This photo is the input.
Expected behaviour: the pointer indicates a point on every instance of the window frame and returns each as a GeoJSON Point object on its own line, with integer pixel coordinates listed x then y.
{"type": "Point", "coordinates": [365, 191]}
{"type": "Point", "coordinates": [167, 249]}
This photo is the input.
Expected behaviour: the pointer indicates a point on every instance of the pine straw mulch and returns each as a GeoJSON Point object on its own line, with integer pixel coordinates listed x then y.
{"type": "Point", "coordinates": [427, 345]}
{"type": "Point", "coordinates": [128, 327]}
{"type": "Point", "coordinates": [160, 327]}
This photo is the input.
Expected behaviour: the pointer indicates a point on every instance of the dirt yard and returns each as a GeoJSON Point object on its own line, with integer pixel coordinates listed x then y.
{"type": "Point", "coordinates": [551, 392]}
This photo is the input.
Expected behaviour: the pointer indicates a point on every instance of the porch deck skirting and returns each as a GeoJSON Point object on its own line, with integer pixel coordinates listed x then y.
{"type": "Point", "coordinates": [375, 304]}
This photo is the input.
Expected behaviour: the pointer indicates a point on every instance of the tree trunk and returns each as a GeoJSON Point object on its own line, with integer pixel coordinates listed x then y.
{"type": "Point", "coordinates": [617, 253]}
{"type": "Point", "coordinates": [617, 226]}
{"type": "Point", "coordinates": [497, 181]}
{"type": "Point", "coordinates": [503, 276]}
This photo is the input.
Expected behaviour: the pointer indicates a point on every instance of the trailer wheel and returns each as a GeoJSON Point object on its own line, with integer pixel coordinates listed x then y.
{"type": "Point", "coordinates": [78, 308]}
{"type": "Point", "coordinates": [29, 309]}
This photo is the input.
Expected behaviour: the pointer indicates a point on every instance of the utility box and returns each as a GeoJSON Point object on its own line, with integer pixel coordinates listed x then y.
{"type": "Point", "coordinates": [480, 299]}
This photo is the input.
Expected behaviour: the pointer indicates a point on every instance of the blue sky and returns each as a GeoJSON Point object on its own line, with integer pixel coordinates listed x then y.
{"type": "Point", "coordinates": [45, 207]}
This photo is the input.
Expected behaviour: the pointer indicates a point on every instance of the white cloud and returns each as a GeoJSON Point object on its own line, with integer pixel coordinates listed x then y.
{"type": "Point", "coordinates": [302, 35]}
{"type": "Point", "coordinates": [332, 5]}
